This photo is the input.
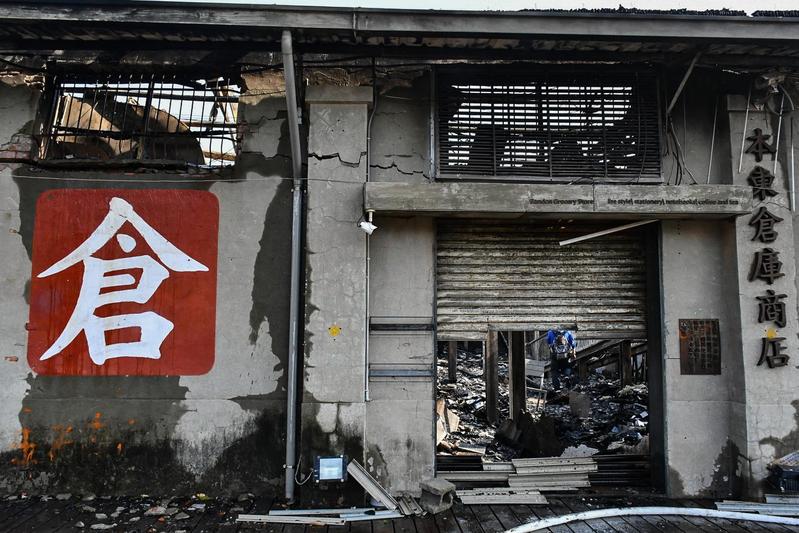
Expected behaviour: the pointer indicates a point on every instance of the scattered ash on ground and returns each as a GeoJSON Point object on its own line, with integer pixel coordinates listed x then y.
{"type": "Point", "coordinates": [598, 413]}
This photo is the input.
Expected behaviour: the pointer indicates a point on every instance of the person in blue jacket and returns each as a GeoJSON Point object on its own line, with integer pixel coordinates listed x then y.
{"type": "Point", "coordinates": [561, 348]}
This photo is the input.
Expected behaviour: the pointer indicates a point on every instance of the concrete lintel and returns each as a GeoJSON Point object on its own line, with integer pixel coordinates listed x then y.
{"type": "Point", "coordinates": [333, 94]}
{"type": "Point", "coordinates": [662, 201]}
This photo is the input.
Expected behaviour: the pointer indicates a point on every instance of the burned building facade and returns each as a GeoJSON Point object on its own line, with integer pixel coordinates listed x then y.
{"type": "Point", "coordinates": [189, 261]}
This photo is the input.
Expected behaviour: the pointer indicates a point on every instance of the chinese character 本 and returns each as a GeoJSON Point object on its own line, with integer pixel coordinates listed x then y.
{"type": "Point", "coordinates": [771, 352]}
{"type": "Point", "coordinates": [761, 180]}
{"type": "Point", "coordinates": [766, 266]}
{"type": "Point", "coordinates": [764, 222]}
{"type": "Point", "coordinates": [772, 308]}
{"type": "Point", "coordinates": [759, 145]}
{"type": "Point", "coordinates": [100, 275]}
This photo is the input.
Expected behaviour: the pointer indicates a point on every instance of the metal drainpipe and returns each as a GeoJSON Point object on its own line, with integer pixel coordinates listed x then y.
{"type": "Point", "coordinates": [294, 302]}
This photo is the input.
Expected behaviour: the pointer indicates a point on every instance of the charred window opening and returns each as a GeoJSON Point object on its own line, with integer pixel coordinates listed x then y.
{"type": "Point", "coordinates": [557, 126]}
{"type": "Point", "coordinates": [150, 119]}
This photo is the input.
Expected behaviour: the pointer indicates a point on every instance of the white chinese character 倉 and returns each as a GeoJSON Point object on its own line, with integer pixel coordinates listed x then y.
{"type": "Point", "coordinates": [98, 279]}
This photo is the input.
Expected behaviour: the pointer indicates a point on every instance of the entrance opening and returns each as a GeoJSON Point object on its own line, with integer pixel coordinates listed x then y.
{"type": "Point", "coordinates": [544, 352]}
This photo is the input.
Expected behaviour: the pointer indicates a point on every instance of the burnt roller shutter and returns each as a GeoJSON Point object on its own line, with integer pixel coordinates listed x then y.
{"type": "Point", "coordinates": [547, 124]}
{"type": "Point", "coordinates": [515, 275]}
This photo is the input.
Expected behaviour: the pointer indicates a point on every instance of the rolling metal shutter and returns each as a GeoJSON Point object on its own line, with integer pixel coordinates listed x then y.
{"type": "Point", "coordinates": [548, 125]}
{"type": "Point", "coordinates": [515, 275]}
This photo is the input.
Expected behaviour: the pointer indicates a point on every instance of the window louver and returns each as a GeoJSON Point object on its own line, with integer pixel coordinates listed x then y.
{"type": "Point", "coordinates": [549, 126]}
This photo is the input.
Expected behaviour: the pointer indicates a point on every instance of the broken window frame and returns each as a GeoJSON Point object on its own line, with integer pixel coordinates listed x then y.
{"type": "Point", "coordinates": [186, 92]}
{"type": "Point", "coordinates": [646, 80]}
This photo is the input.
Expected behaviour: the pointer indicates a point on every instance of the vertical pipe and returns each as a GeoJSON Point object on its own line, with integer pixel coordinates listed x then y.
{"type": "Point", "coordinates": [294, 301]}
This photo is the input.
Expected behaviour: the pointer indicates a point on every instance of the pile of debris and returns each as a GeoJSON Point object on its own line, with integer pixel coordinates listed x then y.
{"type": "Point", "coordinates": [601, 414]}
{"type": "Point", "coordinates": [465, 402]}
{"type": "Point", "coordinates": [437, 496]}
{"type": "Point", "coordinates": [525, 479]}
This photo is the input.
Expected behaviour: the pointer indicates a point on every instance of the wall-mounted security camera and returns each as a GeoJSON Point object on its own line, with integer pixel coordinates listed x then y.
{"type": "Point", "coordinates": [367, 227]}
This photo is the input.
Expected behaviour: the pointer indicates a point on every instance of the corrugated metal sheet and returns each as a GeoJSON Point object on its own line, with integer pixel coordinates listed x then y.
{"type": "Point", "coordinates": [515, 275]}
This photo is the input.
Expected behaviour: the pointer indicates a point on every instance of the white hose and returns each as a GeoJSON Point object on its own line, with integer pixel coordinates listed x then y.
{"type": "Point", "coordinates": [641, 511]}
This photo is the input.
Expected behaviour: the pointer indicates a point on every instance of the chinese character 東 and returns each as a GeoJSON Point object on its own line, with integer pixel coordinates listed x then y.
{"type": "Point", "coordinates": [771, 352]}
{"type": "Point", "coordinates": [761, 180]}
{"type": "Point", "coordinates": [100, 275]}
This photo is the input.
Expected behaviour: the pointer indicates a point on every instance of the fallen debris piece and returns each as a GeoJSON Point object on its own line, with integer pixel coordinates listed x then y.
{"type": "Point", "coordinates": [437, 495]}
{"type": "Point", "coordinates": [408, 505]}
{"type": "Point", "coordinates": [501, 496]}
{"type": "Point", "coordinates": [293, 519]}
{"type": "Point", "coordinates": [371, 486]}
{"type": "Point", "coordinates": [312, 512]}
{"type": "Point", "coordinates": [774, 509]}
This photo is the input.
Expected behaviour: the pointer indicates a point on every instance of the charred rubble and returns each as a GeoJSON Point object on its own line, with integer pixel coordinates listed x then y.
{"type": "Point", "coordinates": [595, 415]}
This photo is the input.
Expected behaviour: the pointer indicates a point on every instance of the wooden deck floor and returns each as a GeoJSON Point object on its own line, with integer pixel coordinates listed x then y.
{"type": "Point", "coordinates": [35, 516]}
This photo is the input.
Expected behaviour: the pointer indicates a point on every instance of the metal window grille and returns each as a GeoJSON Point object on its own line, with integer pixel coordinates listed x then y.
{"type": "Point", "coordinates": [700, 347]}
{"type": "Point", "coordinates": [556, 126]}
{"type": "Point", "coordinates": [147, 118]}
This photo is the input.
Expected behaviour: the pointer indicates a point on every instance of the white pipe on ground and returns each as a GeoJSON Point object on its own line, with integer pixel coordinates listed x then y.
{"type": "Point", "coordinates": [546, 523]}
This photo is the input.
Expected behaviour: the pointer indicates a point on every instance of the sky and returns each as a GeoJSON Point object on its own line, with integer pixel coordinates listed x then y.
{"type": "Point", "coordinates": [512, 5]}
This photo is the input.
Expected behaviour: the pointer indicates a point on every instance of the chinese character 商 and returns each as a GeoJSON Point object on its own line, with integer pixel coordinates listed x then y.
{"type": "Point", "coordinates": [772, 308]}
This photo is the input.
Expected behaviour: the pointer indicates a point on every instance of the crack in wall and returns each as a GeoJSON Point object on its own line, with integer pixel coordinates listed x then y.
{"type": "Point", "coordinates": [337, 155]}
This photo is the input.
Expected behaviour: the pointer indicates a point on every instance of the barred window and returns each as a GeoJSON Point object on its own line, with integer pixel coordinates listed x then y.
{"type": "Point", "coordinates": [148, 119]}
{"type": "Point", "coordinates": [551, 126]}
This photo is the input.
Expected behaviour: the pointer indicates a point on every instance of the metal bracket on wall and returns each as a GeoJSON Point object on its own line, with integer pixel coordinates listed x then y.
{"type": "Point", "coordinates": [400, 373]}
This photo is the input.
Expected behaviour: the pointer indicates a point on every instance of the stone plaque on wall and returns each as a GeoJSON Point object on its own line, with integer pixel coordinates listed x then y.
{"type": "Point", "coordinates": [700, 347]}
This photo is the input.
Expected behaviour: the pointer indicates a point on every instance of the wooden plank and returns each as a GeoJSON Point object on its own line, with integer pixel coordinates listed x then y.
{"type": "Point", "coordinates": [425, 524]}
{"type": "Point", "coordinates": [452, 358]}
{"type": "Point", "coordinates": [490, 374]}
{"type": "Point", "coordinates": [576, 505]}
{"type": "Point", "coordinates": [467, 522]}
{"type": "Point", "coordinates": [446, 522]}
{"type": "Point", "coordinates": [401, 525]}
{"type": "Point", "coordinates": [517, 382]}
{"type": "Point", "coordinates": [505, 516]}
{"type": "Point", "coordinates": [488, 522]}
{"type": "Point", "coordinates": [559, 508]}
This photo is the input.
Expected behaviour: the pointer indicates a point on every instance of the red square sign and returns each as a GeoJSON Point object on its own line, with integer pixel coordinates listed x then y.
{"type": "Point", "coordinates": [123, 282]}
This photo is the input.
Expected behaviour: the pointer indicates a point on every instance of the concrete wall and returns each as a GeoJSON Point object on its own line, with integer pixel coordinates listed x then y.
{"type": "Point", "coordinates": [219, 431]}
{"type": "Point", "coordinates": [768, 399]}
{"type": "Point", "coordinates": [699, 280]}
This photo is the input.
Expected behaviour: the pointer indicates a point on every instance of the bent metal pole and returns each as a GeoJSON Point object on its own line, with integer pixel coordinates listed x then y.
{"type": "Point", "coordinates": [294, 301]}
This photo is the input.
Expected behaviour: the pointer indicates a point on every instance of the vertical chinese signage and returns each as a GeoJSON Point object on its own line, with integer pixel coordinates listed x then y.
{"type": "Point", "coordinates": [766, 265]}
{"type": "Point", "coordinates": [123, 282]}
